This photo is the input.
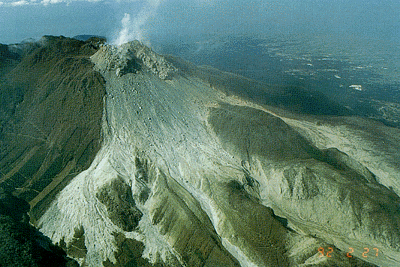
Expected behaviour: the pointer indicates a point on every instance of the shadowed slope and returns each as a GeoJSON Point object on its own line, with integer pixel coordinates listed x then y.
{"type": "Point", "coordinates": [53, 127]}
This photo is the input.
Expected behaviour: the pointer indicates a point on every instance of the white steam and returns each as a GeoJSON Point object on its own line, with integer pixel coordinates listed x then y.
{"type": "Point", "coordinates": [132, 29]}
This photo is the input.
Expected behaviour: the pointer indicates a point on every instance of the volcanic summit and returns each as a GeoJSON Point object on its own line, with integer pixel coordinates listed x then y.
{"type": "Point", "coordinates": [131, 158]}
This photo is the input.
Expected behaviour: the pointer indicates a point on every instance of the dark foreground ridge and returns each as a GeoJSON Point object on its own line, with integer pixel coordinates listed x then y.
{"type": "Point", "coordinates": [22, 244]}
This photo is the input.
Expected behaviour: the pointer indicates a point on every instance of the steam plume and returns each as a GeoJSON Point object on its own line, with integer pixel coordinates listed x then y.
{"type": "Point", "coordinates": [132, 29]}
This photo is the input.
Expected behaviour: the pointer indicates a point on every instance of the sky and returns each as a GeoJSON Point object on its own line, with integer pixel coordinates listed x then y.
{"type": "Point", "coordinates": [124, 20]}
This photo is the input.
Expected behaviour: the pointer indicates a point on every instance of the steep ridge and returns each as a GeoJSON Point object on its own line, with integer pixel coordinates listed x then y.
{"type": "Point", "coordinates": [7, 59]}
{"type": "Point", "coordinates": [53, 118]}
{"type": "Point", "coordinates": [191, 171]}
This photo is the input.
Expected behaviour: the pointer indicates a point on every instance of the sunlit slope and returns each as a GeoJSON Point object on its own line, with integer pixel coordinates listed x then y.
{"type": "Point", "coordinates": [201, 175]}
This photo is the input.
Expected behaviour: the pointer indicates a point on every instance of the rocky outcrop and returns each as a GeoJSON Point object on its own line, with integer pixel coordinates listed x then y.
{"type": "Point", "coordinates": [130, 58]}
{"type": "Point", "coordinates": [121, 207]}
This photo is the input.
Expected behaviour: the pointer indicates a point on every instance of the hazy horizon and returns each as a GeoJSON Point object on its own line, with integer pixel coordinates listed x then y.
{"type": "Point", "coordinates": [23, 19]}
{"type": "Point", "coordinates": [363, 33]}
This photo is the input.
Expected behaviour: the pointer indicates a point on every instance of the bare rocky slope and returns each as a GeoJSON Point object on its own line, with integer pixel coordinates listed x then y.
{"type": "Point", "coordinates": [130, 158]}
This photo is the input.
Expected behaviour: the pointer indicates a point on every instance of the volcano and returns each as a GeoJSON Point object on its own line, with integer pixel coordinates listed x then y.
{"type": "Point", "coordinates": [131, 158]}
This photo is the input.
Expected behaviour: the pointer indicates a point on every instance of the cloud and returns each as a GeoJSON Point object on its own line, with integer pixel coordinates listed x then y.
{"type": "Point", "coordinates": [13, 3]}
{"type": "Point", "coordinates": [19, 3]}
{"type": "Point", "coordinates": [47, 2]}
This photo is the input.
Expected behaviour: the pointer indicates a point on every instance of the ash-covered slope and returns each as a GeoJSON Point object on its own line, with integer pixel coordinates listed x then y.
{"type": "Point", "coordinates": [192, 172]}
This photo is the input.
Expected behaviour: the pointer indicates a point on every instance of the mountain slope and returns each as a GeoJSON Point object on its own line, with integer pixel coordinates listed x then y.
{"type": "Point", "coordinates": [53, 122]}
{"type": "Point", "coordinates": [180, 166]}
